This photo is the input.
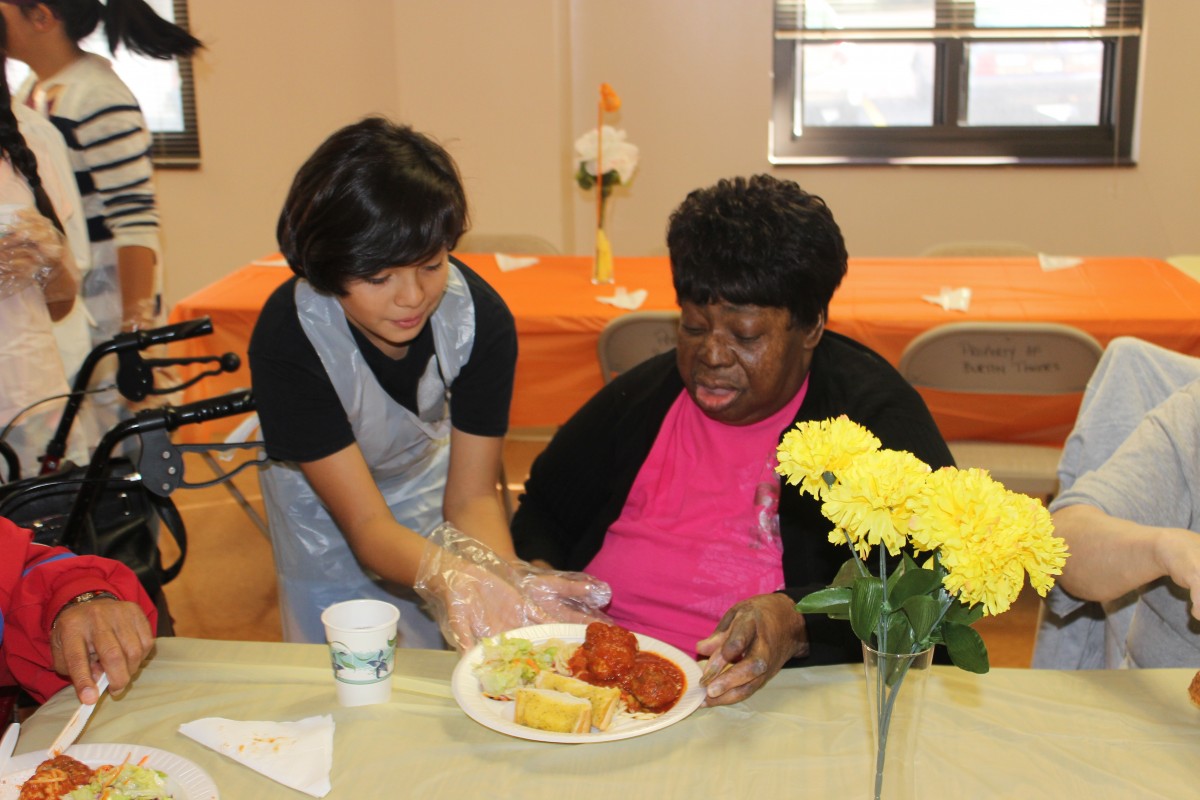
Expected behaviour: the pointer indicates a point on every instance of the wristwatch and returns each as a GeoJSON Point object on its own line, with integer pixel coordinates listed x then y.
{"type": "Point", "coordinates": [88, 597]}
{"type": "Point", "coordinates": [79, 599]}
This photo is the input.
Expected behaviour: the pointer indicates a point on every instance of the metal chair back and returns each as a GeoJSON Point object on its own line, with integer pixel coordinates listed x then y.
{"type": "Point", "coordinates": [631, 339]}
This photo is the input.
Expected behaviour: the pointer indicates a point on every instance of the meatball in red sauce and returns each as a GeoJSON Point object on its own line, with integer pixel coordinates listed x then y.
{"type": "Point", "coordinates": [609, 656]}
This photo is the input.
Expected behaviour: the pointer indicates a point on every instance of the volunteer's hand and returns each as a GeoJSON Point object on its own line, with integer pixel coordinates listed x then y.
{"type": "Point", "coordinates": [474, 594]}
{"type": "Point", "coordinates": [31, 249]}
{"type": "Point", "coordinates": [563, 596]}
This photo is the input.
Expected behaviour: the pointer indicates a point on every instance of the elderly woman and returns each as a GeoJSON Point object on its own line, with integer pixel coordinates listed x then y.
{"type": "Point", "coordinates": [663, 484]}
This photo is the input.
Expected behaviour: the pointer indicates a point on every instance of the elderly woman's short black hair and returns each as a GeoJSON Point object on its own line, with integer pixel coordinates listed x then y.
{"type": "Point", "coordinates": [374, 195]}
{"type": "Point", "coordinates": [757, 241]}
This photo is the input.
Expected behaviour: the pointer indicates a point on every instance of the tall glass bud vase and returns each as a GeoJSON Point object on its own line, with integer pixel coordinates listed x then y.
{"type": "Point", "coordinates": [895, 694]}
{"type": "Point", "coordinates": [602, 268]}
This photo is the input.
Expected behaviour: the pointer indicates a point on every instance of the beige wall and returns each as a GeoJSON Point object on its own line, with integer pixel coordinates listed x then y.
{"type": "Point", "coordinates": [507, 86]}
{"type": "Point", "coordinates": [276, 77]}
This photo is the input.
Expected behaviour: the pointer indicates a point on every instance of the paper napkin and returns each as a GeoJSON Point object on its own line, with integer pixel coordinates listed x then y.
{"type": "Point", "coordinates": [1050, 263]}
{"type": "Point", "coordinates": [297, 754]}
{"type": "Point", "coordinates": [623, 298]}
{"type": "Point", "coordinates": [950, 299]}
{"type": "Point", "coordinates": [277, 261]}
{"type": "Point", "coordinates": [508, 263]}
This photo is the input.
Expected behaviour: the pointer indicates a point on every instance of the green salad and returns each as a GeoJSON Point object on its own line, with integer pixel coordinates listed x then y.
{"type": "Point", "coordinates": [123, 782]}
{"type": "Point", "coordinates": [509, 664]}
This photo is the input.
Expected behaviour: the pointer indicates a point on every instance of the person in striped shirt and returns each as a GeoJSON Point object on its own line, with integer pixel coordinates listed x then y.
{"type": "Point", "coordinates": [108, 139]}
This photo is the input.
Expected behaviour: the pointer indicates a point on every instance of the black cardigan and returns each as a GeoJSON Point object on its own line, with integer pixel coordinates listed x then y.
{"type": "Point", "coordinates": [578, 486]}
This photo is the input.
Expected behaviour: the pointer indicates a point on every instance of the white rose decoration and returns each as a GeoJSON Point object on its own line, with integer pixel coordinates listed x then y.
{"type": "Point", "coordinates": [618, 155]}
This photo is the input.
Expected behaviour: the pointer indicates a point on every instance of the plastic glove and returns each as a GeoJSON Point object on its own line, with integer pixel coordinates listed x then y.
{"type": "Point", "coordinates": [140, 315]}
{"type": "Point", "coordinates": [32, 250]}
{"type": "Point", "coordinates": [474, 594]}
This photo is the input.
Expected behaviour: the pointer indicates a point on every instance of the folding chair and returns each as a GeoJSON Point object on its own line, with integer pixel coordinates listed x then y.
{"type": "Point", "coordinates": [632, 338]}
{"type": "Point", "coordinates": [978, 249]}
{"type": "Point", "coordinates": [1015, 358]}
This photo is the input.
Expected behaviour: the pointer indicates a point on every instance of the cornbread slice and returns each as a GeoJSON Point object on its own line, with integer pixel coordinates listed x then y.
{"type": "Point", "coordinates": [548, 710]}
{"type": "Point", "coordinates": [604, 699]}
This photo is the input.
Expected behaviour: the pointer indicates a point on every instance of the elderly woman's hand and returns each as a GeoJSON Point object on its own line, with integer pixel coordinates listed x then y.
{"type": "Point", "coordinates": [752, 642]}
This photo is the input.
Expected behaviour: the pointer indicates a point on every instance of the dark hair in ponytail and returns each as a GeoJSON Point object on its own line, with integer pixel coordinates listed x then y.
{"type": "Point", "coordinates": [132, 23]}
{"type": "Point", "coordinates": [13, 143]}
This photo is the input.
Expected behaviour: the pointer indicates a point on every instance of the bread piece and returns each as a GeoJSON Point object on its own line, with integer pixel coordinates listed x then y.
{"type": "Point", "coordinates": [548, 710]}
{"type": "Point", "coordinates": [1194, 689]}
{"type": "Point", "coordinates": [604, 699]}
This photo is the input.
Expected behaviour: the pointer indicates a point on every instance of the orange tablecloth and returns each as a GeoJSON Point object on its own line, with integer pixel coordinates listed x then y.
{"type": "Point", "coordinates": [559, 320]}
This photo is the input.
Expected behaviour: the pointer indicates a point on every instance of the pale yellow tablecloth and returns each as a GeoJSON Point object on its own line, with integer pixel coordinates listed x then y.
{"type": "Point", "coordinates": [1009, 734]}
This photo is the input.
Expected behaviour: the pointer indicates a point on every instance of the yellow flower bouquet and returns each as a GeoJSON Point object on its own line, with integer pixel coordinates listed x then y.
{"type": "Point", "coordinates": [982, 541]}
{"type": "Point", "coordinates": [952, 545]}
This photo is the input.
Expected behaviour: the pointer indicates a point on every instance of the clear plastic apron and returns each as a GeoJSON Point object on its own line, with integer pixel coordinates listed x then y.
{"type": "Point", "coordinates": [30, 370]}
{"type": "Point", "coordinates": [30, 365]}
{"type": "Point", "coordinates": [408, 455]}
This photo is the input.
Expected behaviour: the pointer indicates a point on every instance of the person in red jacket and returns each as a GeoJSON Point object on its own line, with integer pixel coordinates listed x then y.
{"type": "Point", "coordinates": [67, 619]}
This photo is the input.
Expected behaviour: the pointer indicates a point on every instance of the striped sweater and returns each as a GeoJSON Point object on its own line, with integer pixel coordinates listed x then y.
{"type": "Point", "coordinates": [109, 144]}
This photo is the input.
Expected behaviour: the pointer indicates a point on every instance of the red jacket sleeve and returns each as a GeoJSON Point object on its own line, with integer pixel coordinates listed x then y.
{"type": "Point", "coordinates": [36, 581]}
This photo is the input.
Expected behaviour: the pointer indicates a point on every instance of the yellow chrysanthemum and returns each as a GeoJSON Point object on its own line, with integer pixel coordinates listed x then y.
{"type": "Point", "coordinates": [986, 537]}
{"type": "Point", "coordinates": [1043, 554]}
{"type": "Point", "coordinates": [815, 449]}
{"type": "Point", "coordinates": [988, 540]}
{"type": "Point", "coordinates": [872, 499]}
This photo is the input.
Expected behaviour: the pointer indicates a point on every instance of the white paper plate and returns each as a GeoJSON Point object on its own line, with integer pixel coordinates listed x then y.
{"type": "Point", "coordinates": [498, 714]}
{"type": "Point", "coordinates": [185, 780]}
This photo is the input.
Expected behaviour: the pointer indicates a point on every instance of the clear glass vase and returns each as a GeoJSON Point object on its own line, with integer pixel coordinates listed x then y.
{"type": "Point", "coordinates": [602, 267]}
{"type": "Point", "coordinates": [895, 687]}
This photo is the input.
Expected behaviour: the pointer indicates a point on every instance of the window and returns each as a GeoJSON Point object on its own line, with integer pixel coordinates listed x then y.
{"type": "Point", "coordinates": [164, 89]}
{"type": "Point", "coordinates": [955, 81]}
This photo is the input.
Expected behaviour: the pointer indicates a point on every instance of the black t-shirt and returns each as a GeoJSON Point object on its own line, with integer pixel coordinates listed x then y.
{"type": "Point", "coordinates": [301, 415]}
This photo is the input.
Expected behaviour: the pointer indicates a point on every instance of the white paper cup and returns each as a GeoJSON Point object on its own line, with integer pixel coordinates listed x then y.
{"type": "Point", "coordinates": [362, 649]}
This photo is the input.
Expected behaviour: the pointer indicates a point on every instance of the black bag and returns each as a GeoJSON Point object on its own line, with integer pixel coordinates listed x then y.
{"type": "Point", "coordinates": [123, 523]}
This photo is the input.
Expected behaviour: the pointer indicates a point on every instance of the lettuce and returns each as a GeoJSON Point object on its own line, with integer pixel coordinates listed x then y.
{"type": "Point", "coordinates": [131, 783]}
{"type": "Point", "coordinates": [509, 664]}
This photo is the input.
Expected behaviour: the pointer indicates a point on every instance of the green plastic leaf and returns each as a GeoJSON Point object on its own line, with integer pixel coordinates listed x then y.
{"type": "Point", "coordinates": [892, 580]}
{"type": "Point", "coordinates": [964, 615]}
{"type": "Point", "coordinates": [965, 647]}
{"type": "Point", "coordinates": [584, 178]}
{"type": "Point", "coordinates": [826, 601]}
{"type": "Point", "coordinates": [866, 604]}
{"type": "Point", "coordinates": [847, 574]}
{"type": "Point", "coordinates": [899, 633]}
{"type": "Point", "coordinates": [914, 582]}
{"type": "Point", "coordinates": [893, 669]}
{"type": "Point", "coordinates": [922, 612]}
